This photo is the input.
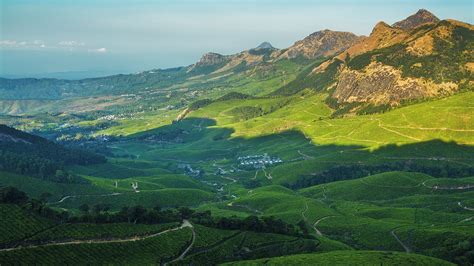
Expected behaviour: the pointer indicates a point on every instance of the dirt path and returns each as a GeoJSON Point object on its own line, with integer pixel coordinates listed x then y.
{"type": "Point", "coordinates": [186, 223]}
{"type": "Point", "coordinates": [464, 207]}
{"type": "Point", "coordinates": [267, 175]}
{"type": "Point", "coordinates": [229, 178]}
{"type": "Point", "coordinates": [306, 157]}
{"type": "Point", "coordinates": [396, 132]}
{"type": "Point", "coordinates": [325, 197]}
{"type": "Point", "coordinates": [255, 177]}
{"type": "Point", "coordinates": [454, 187]}
{"type": "Point", "coordinates": [86, 195]}
{"type": "Point", "coordinates": [303, 213]}
{"type": "Point", "coordinates": [103, 241]}
{"type": "Point", "coordinates": [320, 220]}
{"type": "Point", "coordinates": [407, 249]}
{"type": "Point", "coordinates": [433, 128]}
{"type": "Point", "coordinates": [248, 208]}
{"type": "Point", "coordinates": [467, 219]}
{"type": "Point", "coordinates": [376, 185]}
{"type": "Point", "coordinates": [447, 159]}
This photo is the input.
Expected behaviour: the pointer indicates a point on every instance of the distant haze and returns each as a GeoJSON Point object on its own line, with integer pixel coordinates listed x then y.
{"type": "Point", "coordinates": [101, 37]}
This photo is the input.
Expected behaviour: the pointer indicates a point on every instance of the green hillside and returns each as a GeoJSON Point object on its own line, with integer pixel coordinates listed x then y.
{"type": "Point", "coordinates": [348, 258]}
{"type": "Point", "coordinates": [338, 150]}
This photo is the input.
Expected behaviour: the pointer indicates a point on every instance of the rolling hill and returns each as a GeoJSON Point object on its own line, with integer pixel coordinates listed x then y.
{"type": "Point", "coordinates": [357, 148]}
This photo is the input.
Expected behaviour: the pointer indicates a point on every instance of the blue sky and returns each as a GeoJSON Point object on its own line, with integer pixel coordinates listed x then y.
{"type": "Point", "coordinates": [128, 36]}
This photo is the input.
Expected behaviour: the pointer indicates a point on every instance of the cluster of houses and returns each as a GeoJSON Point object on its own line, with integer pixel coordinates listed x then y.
{"type": "Point", "coordinates": [108, 117]}
{"type": "Point", "coordinates": [258, 161]}
{"type": "Point", "coordinates": [221, 171]}
{"type": "Point", "coordinates": [461, 187]}
{"type": "Point", "coordinates": [189, 170]}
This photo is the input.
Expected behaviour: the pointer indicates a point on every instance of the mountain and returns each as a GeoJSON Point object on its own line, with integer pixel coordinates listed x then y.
{"type": "Point", "coordinates": [420, 18]}
{"type": "Point", "coordinates": [321, 43]}
{"type": "Point", "coordinates": [397, 64]}
{"type": "Point", "coordinates": [413, 65]}
{"type": "Point", "coordinates": [258, 155]}
{"type": "Point", "coordinates": [410, 60]}
{"type": "Point", "coordinates": [210, 59]}
{"type": "Point", "coordinates": [324, 43]}
{"type": "Point", "coordinates": [24, 153]}
{"type": "Point", "coordinates": [264, 45]}
{"type": "Point", "coordinates": [382, 35]}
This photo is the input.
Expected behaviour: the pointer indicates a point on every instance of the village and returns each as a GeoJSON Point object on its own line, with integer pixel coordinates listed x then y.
{"type": "Point", "coordinates": [258, 161]}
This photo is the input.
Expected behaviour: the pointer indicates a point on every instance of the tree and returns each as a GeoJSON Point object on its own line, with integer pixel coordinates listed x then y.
{"type": "Point", "coordinates": [303, 226]}
{"type": "Point", "coordinates": [137, 213]}
{"type": "Point", "coordinates": [13, 195]}
{"type": "Point", "coordinates": [45, 196]}
{"type": "Point", "coordinates": [185, 212]}
{"type": "Point", "coordinates": [84, 208]}
{"type": "Point", "coordinates": [157, 208]}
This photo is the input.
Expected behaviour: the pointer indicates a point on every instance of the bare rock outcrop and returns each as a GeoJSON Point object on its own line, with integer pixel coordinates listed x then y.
{"type": "Point", "coordinates": [382, 84]}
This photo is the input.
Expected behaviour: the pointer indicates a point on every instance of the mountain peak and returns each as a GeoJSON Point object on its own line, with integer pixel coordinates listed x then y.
{"type": "Point", "coordinates": [380, 27]}
{"type": "Point", "coordinates": [321, 43]}
{"type": "Point", "coordinates": [265, 45]}
{"type": "Point", "coordinates": [421, 17]}
{"type": "Point", "coordinates": [211, 59]}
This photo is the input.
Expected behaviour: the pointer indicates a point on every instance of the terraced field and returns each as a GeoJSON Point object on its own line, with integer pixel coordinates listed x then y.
{"type": "Point", "coordinates": [348, 258]}
{"type": "Point", "coordinates": [139, 243]}
{"type": "Point", "coordinates": [148, 251]}
{"type": "Point", "coordinates": [309, 114]}
{"type": "Point", "coordinates": [17, 224]}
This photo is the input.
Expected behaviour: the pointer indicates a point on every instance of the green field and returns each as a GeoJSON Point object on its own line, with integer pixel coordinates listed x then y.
{"type": "Point", "coordinates": [348, 258]}
{"type": "Point", "coordinates": [149, 251]}
{"type": "Point", "coordinates": [390, 182]}
{"type": "Point", "coordinates": [17, 224]}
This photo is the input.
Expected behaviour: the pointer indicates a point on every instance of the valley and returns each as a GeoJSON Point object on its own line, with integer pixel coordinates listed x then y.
{"type": "Point", "coordinates": [294, 156]}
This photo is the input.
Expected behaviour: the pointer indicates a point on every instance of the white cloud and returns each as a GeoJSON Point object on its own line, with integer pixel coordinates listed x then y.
{"type": "Point", "coordinates": [8, 43]}
{"type": "Point", "coordinates": [71, 43]}
{"type": "Point", "coordinates": [39, 44]}
{"type": "Point", "coordinates": [22, 44]}
{"type": "Point", "coordinates": [98, 50]}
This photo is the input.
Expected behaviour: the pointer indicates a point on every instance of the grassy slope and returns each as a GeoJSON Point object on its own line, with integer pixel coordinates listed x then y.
{"type": "Point", "coordinates": [149, 251]}
{"type": "Point", "coordinates": [163, 190]}
{"type": "Point", "coordinates": [369, 209]}
{"type": "Point", "coordinates": [17, 223]}
{"type": "Point", "coordinates": [449, 119]}
{"type": "Point", "coordinates": [82, 231]}
{"type": "Point", "coordinates": [348, 258]}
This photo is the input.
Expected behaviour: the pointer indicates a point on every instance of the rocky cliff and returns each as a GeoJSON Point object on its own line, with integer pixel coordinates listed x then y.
{"type": "Point", "coordinates": [321, 43]}
{"type": "Point", "coordinates": [420, 18]}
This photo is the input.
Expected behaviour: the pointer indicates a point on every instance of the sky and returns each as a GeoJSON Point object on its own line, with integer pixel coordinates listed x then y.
{"type": "Point", "coordinates": [98, 37]}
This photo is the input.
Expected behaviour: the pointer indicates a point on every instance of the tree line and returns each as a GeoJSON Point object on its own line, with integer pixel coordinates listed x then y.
{"type": "Point", "coordinates": [31, 155]}
{"type": "Point", "coordinates": [102, 214]}
{"type": "Point", "coordinates": [347, 172]}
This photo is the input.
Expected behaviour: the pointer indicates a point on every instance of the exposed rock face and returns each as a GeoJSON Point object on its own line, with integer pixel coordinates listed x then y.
{"type": "Point", "coordinates": [421, 17]}
{"type": "Point", "coordinates": [423, 44]}
{"type": "Point", "coordinates": [249, 58]}
{"type": "Point", "coordinates": [382, 84]}
{"type": "Point", "coordinates": [264, 45]}
{"type": "Point", "coordinates": [382, 35]}
{"type": "Point", "coordinates": [321, 43]}
{"type": "Point", "coordinates": [210, 59]}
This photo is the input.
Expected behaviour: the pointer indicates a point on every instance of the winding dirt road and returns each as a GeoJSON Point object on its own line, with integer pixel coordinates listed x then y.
{"type": "Point", "coordinates": [185, 223]}
{"type": "Point", "coordinates": [464, 207]}
{"type": "Point", "coordinates": [320, 220]}
{"type": "Point", "coordinates": [86, 195]}
{"type": "Point", "coordinates": [407, 249]}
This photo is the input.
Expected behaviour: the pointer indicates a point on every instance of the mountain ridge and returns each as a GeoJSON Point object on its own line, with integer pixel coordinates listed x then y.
{"type": "Point", "coordinates": [421, 17]}
{"type": "Point", "coordinates": [415, 38]}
